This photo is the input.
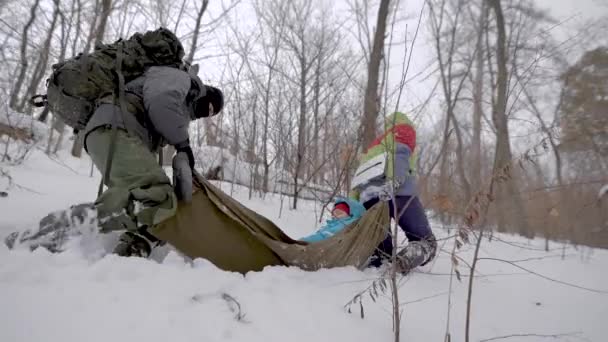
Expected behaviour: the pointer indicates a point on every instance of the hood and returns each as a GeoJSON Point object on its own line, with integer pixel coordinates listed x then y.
{"type": "Point", "coordinates": [193, 72]}
{"type": "Point", "coordinates": [396, 118]}
{"type": "Point", "coordinates": [356, 209]}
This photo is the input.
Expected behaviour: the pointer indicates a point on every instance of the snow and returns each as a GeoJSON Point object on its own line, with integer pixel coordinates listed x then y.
{"type": "Point", "coordinates": [18, 120]}
{"type": "Point", "coordinates": [603, 191]}
{"type": "Point", "coordinates": [86, 294]}
{"type": "Point", "coordinates": [237, 170]}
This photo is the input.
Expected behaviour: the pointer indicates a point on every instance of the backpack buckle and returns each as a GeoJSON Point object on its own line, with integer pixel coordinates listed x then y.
{"type": "Point", "coordinates": [39, 100]}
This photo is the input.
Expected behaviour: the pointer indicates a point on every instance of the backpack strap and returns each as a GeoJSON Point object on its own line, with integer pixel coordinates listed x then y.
{"type": "Point", "coordinates": [123, 107]}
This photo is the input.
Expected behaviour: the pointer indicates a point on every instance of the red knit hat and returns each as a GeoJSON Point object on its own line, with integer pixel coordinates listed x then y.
{"type": "Point", "coordinates": [342, 206]}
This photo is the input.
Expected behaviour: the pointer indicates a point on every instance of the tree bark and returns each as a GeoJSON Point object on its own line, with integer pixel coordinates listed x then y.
{"type": "Point", "coordinates": [301, 127]}
{"type": "Point", "coordinates": [371, 105]}
{"type": "Point", "coordinates": [509, 200]}
{"type": "Point", "coordinates": [210, 136]}
{"type": "Point", "coordinates": [478, 95]}
{"type": "Point", "coordinates": [78, 27]}
{"type": "Point", "coordinates": [106, 7]}
{"type": "Point", "coordinates": [197, 28]}
{"type": "Point", "coordinates": [92, 29]}
{"type": "Point", "coordinates": [265, 134]}
{"type": "Point", "coordinates": [316, 108]}
{"type": "Point", "coordinates": [24, 58]}
{"type": "Point", "coordinates": [41, 65]}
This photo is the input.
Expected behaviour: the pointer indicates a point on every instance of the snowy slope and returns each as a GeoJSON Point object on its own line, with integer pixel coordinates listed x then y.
{"type": "Point", "coordinates": [83, 295]}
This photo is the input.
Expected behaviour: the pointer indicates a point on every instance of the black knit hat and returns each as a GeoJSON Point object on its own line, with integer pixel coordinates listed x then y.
{"type": "Point", "coordinates": [212, 95]}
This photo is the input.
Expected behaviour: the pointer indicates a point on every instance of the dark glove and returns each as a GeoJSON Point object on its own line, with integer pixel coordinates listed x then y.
{"type": "Point", "coordinates": [185, 148]}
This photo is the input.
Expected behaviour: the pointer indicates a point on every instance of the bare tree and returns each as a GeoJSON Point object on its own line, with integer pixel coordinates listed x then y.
{"type": "Point", "coordinates": [24, 57]}
{"type": "Point", "coordinates": [371, 105]}
{"type": "Point", "coordinates": [452, 85]}
{"type": "Point", "coordinates": [42, 63]}
{"type": "Point", "coordinates": [478, 93]}
{"type": "Point", "coordinates": [506, 191]}
{"type": "Point", "coordinates": [106, 9]}
{"type": "Point", "coordinates": [196, 32]}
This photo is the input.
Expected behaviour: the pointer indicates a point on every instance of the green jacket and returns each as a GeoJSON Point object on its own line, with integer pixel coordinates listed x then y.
{"type": "Point", "coordinates": [396, 146]}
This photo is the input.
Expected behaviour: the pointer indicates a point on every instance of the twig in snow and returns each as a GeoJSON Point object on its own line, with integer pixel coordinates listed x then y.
{"type": "Point", "coordinates": [426, 298]}
{"type": "Point", "coordinates": [61, 163]}
{"type": "Point", "coordinates": [234, 307]}
{"type": "Point", "coordinates": [11, 182]}
{"type": "Point", "coordinates": [541, 258]}
{"type": "Point", "coordinates": [572, 334]}
{"type": "Point", "coordinates": [545, 277]}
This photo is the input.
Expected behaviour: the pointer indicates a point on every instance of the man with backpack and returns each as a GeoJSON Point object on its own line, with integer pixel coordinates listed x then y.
{"type": "Point", "coordinates": [139, 193]}
{"type": "Point", "coordinates": [131, 98]}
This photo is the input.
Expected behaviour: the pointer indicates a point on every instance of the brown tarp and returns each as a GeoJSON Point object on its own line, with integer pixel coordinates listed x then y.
{"type": "Point", "coordinates": [218, 228]}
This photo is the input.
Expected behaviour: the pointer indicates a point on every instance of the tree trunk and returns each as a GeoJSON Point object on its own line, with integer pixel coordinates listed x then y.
{"type": "Point", "coordinates": [92, 29]}
{"type": "Point", "coordinates": [265, 139]}
{"type": "Point", "coordinates": [509, 200]}
{"type": "Point", "coordinates": [209, 133]}
{"type": "Point", "coordinates": [316, 106]}
{"type": "Point", "coordinates": [444, 172]}
{"type": "Point", "coordinates": [24, 58]}
{"type": "Point", "coordinates": [251, 151]}
{"type": "Point", "coordinates": [301, 129]}
{"type": "Point", "coordinates": [77, 34]}
{"type": "Point", "coordinates": [106, 6]}
{"type": "Point", "coordinates": [478, 96]}
{"type": "Point", "coordinates": [197, 28]}
{"type": "Point", "coordinates": [41, 65]}
{"type": "Point", "coordinates": [461, 158]}
{"type": "Point", "coordinates": [370, 105]}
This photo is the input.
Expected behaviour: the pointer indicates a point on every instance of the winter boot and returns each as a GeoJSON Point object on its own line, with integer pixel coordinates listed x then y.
{"type": "Point", "coordinates": [133, 244]}
{"type": "Point", "coordinates": [416, 253]}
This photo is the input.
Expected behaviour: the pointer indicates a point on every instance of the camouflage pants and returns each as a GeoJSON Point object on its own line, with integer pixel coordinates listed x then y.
{"type": "Point", "coordinates": [139, 192]}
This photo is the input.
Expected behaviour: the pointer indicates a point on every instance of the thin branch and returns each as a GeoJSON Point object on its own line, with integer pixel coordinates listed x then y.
{"type": "Point", "coordinates": [572, 334]}
{"type": "Point", "coordinates": [547, 278]}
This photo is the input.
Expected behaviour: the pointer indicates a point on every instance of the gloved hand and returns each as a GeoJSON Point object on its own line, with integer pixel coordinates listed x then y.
{"type": "Point", "coordinates": [188, 151]}
{"type": "Point", "coordinates": [385, 192]}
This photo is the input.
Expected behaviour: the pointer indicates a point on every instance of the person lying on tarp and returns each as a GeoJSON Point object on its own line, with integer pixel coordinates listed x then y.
{"type": "Point", "coordinates": [345, 212]}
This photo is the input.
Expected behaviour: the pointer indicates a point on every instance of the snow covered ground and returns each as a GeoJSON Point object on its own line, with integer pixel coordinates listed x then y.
{"type": "Point", "coordinates": [85, 294]}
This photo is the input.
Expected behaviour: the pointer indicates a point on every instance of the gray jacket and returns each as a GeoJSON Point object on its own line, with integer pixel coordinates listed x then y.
{"type": "Point", "coordinates": [165, 96]}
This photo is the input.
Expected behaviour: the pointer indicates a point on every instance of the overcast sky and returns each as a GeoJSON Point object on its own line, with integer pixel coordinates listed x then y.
{"type": "Point", "coordinates": [572, 14]}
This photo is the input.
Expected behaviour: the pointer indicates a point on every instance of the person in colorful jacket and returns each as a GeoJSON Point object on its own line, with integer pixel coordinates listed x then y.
{"type": "Point", "coordinates": [345, 212]}
{"type": "Point", "coordinates": [387, 172]}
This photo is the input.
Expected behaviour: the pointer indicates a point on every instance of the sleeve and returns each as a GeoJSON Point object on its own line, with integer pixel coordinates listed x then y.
{"type": "Point", "coordinates": [402, 163]}
{"type": "Point", "coordinates": [404, 137]}
{"type": "Point", "coordinates": [165, 90]}
{"type": "Point", "coordinates": [327, 231]}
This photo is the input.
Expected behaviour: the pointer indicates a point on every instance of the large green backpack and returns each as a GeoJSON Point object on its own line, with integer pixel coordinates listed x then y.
{"type": "Point", "coordinates": [76, 84]}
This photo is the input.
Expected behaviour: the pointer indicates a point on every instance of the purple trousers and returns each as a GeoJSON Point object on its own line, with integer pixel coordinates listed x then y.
{"type": "Point", "coordinates": [412, 220]}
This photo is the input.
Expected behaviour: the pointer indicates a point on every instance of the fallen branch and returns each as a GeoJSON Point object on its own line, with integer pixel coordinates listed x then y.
{"type": "Point", "coordinates": [234, 306]}
{"type": "Point", "coordinates": [545, 277]}
{"type": "Point", "coordinates": [573, 334]}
